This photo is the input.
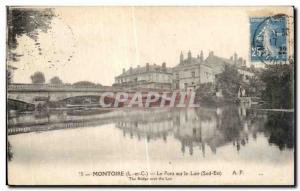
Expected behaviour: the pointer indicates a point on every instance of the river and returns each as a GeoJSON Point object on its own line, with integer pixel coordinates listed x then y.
{"type": "Point", "coordinates": [246, 145]}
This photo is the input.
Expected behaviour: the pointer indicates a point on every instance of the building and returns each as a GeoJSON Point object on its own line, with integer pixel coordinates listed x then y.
{"type": "Point", "coordinates": [245, 71]}
{"type": "Point", "coordinates": [191, 72]}
{"type": "Point", "coordinates": [187, 75]}
{"type": "Point", "coordinates": [150, 77]}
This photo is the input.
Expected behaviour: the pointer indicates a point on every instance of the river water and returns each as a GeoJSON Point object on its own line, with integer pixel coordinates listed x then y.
{"type": "Point", "coordinates": [247, 146]}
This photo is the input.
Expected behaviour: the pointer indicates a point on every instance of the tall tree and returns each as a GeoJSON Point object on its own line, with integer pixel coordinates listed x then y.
{"type": "Point", "coordinates": [38, 78]}
{"type": "Point", "coordinates": [279, 85]}
{"type": "Point", "coordinates": [229, 81]}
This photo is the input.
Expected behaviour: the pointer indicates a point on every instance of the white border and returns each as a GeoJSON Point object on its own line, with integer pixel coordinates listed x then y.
{"type": "Point", "coordinates": [5, 3]}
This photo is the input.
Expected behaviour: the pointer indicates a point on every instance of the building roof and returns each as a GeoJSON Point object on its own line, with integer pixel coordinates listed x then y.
{"type": "Point", "coordinates": [218, 63]}
{"type": "Point", "coordinates": [143, 69]}
{"type": "Point", "coordinates": [191, 62]}
{"type": "Point", "coordinates": [215, 62]}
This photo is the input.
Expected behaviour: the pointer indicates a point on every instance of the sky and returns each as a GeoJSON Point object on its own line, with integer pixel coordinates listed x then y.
{"type": "Point", "coordinates": [96, 43]}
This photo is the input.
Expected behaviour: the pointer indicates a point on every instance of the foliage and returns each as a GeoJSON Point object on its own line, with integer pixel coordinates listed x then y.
{"type": "Point", "coordinates": [84, 83]}
{"type": "Point", "coordinates": [26, 21]}
{"type": "Point", "coordinates": [254, 87]}
{"type": "Point", "coordinates": [206, 94]}
{"type": "Point", "coordinates": [56, 80]}
{"type": "Point", "coordinates": [279, 85]}
{"type": "Point", "coordinates": [206, 89]}
{"type": "Point", "coordinates": [229, 81]}
{"type": "Point", "coordinates": [38, 78]}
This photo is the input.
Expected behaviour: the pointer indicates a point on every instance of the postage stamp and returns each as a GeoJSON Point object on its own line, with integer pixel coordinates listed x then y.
{"type": "Point", "coordinates": [150, 96]}
{"type": "Point", "coordinates": [269, 38]}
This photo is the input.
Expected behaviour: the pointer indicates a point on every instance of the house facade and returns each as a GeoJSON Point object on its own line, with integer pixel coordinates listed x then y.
{"type": "Point", "coordinates": [148, 77]}
{"type": "Point", "coordinates": [191, 72]}
{"type": "Point", "coordinates": [187, 75]}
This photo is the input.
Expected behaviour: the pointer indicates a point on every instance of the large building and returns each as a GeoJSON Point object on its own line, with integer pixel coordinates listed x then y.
{"type": "Point", "coordinates": [187, 75]}
{"type": "Point", "coordinates": [193, 71]}
{"type": "Point", "coordinates": [150, 77]}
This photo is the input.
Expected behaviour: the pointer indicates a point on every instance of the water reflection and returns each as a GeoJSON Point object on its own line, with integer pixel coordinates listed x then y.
{"type": "Point", "coordinates": [195, 129]}
{"type": "Point", "coordinates": [212, 127]}
{"type": "Point", "coordinates": [280, 129]}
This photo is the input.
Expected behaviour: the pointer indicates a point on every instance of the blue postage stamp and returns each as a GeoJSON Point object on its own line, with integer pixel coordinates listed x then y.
{"type": "Point", "coordinates": [268, 38]}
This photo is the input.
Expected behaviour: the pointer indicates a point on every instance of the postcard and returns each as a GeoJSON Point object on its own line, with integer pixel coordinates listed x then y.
{"type": "Point", "coordinates": [149, 95]}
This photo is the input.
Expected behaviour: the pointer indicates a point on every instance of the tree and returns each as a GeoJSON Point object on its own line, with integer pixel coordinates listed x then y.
{"type": "Point", "coordinates": [278, 80]}
{"type": "Point", "coordinates": [229, 81]}
{"type": "Point", "coordinates": [56, 80]}
{"type": "Point", "coordinates": [84, 83]}
{"type": "Point", "coordinates": [255, 86]}
{"type": "Point", "coordinates": [26, 21]}
{"type": "Point", "coordinates": [38, 78]}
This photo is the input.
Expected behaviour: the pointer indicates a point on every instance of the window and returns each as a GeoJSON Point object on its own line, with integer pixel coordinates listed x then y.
{"type": "Point", "coordinates": [177, 76]}
{"type": "Point", "coordinates": [193, 74]}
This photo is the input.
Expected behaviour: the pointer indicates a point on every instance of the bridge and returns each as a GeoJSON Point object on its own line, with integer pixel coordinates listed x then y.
{"type": "Point", "coordinates": [30, 96]}
{"type": "Point", "coordinates": [33, 94]}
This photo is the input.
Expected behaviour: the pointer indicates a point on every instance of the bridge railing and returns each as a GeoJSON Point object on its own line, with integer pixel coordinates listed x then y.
{"type": "Point", "coordinates": [57, 87]}
{"type": "Point", "coordinates": [18, 87]}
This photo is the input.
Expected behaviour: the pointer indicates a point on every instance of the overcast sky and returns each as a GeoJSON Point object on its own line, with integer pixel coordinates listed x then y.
{"type": "Point", "coordinates": [95, 43]}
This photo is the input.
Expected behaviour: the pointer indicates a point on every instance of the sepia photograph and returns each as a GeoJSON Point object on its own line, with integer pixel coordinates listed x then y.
{"type": "Point", "coordinates": [150, 96]}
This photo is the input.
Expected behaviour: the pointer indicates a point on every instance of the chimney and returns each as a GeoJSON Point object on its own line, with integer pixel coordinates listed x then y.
{"type": "Point", "coordinates": [201, 55]}
{"type": "Point", "coordinates": [211, 53]}
{"type": "Point", "coordinates": [163, 65]}
{"type": "Point", "coordinates": [189, 55]}
{"type": "Point", "coordinates": [240, 61]}
{"type": "Point", "coordinates": [123, 70]}
{"type": "Point", "coordinates": [181, 57]}
{"type": "Point", "coordinates": [130, 70]}
{"type": "Point", "coordinates": [147, 67]}
{"type": "Point", "coordinates": [235, 57]}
